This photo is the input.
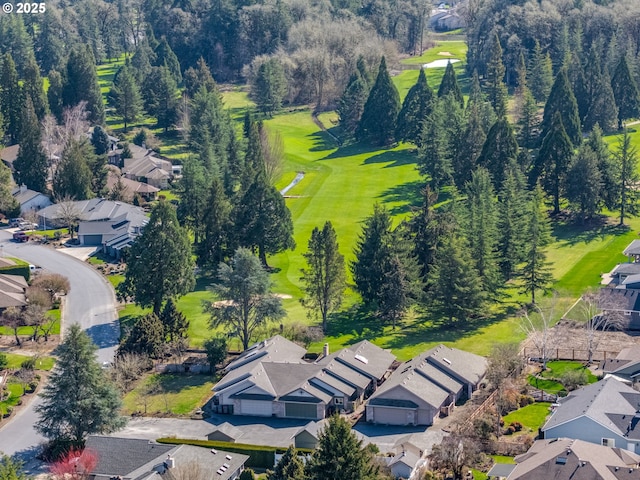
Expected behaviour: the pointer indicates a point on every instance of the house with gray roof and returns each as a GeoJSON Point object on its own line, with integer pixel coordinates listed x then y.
{"type": "Point", "coordinates": [138, 459]}
{"type": "Point", "coordinates": [422, 388]}
{"type": "Point", "coordinates": [570, 459]}
{"type": "Point", "coordinates": [625, 366]}
{"type": "Point", "coordinates": [30, 200]}
{"type": "Point", "coordinates": [623, 305]}
{"type": "Point", "coordinates": [149, 169]}
{"type": "Point", "coordinates": [12, 291]}
{"type": "Point", "coordinates": [271, 378]}
{"type": "Point", "coordinates": [605, 413]}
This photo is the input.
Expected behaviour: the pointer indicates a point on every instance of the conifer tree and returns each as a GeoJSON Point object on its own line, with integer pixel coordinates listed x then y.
{"type": "Point", "coordinates": [535, 273]}
{"type": "Point", "coordinates": [160, 97]}
{"type": "Point", "coordinates": [290, 467]}
{"type": "Point", "coordinates": [625, 91]}
{"type": "Point", "coordinates": [194, 79]}
{"type": "Point", "coordinates": [455, 287]}
{"type": "Point", "coordinates": [605, 166]}
{"type": "Point", "coordinates": [99, 140]}
{"type": "Point", "coordinates": [528, 118]}
{"type": "Point", "coordinates": [449, 85]}
{"type": "Point", "coordinates": [478, 100]}
{"type": "Point", "coordinates": [416, 108]}
{"type": "Point", "coordinates": [73, 175]}
{"type": "Point", "coordinates": [351, 103]}
{"type": "Point", "coordinates": [470, 148]}
{"type": "Point", "coordinates": [499, 151]}
{"type": "Point", "coordinates": [174, 321]}
{"type": "Point", "coordinates": [81, 84]}
{"type": "Point", "coordinates": [434, 157]}
{"type": "Point", "coordinates": [142, 60]}
{"type": "Point", "coordinates": [217, 225]}
{"type": "Point", "coordinates": [625, 163]}
{"type": "Point", "coordinates": [340, 454]}
{"type": "Point", "coordinates": [481, 229]}
{"type": "Point", "coordinates": [495, 78]}
{"type": "Point", "coordinates": [125, 97]}
{"type": "Point", "coordinates": [561, 100]}
{"type": "Point", "coordinates": [553, 161]}
{"type": "Point", "coordinates": [512, 221]}
{"type": "Point", "coordinates": [165, 57]}
{"type": "Point", "coordinates": [31, 163]}
{"type": "Point", "coordinates": [580, 89]}
{"type": "Point", "coordinates": [79, 399]}
{"type": "Point", "coordinates": [147, 337]}
{"type": "Point", "coordinates": [540, 73]}
{"type": "Point", "coordinates": [602, 109]}
{"type": "Point", "coordinates": [193, 196]}
{"type": "Point", "coordinates": [32, 87]}
{"type": "Point", "coordinates": [10, 98]}
{"type": "Point", "coordinates": [324, 277]}
{"type": "Point", "coordinates": [54, 95]}
{"type": "Point", "coordinates": [584, 183]}
{"type": "Point", "coordinates": [270, 87]}
{"type": "Point", "coordinates": [378, 121]}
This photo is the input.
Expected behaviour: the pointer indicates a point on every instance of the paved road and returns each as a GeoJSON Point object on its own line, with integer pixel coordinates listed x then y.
{"type": "Point", "coordinates": [90, 303]}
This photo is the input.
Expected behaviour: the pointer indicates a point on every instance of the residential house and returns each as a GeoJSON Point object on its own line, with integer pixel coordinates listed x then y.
{"type": "Point", "coordinates": [272, 379]}
{"type": "Point", "coordinates": [407, 458]}
{"type": "Point", "coordinates": [625, 366]}
{"type": "Point", "coordinates": [138, 459]}
{"type": "Point", "coordinates": [307, 436]}
{"type": "Point", "coordinates": [30, 200]}
{"type": "Point", "coordinates": [225, 432]}
{"type": "Point", "coordinates": [623, 305]}
{"type": "Point", "coordinates": [8, 155]}
{"type": "Point", "coordinates": [605, 413]}
{"type": "Point", "coordinates": [422, 388]}
{"type": "Point", "coordinates": [131, 188]}
{"type": "Point", "coordinates": [12, 291]}
{"type": "Point", "coordinates": [569, 459]}
{"type": "Point", "coordinates": [631, 267]}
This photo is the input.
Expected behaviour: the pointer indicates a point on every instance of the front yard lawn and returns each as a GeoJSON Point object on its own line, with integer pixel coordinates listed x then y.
{"type": "Point", "coordinates": [557, 369]}
{"type": "Point", "coordinates": [167, 393]}
{"type": "Point", "coordinates": [531, 416]}
{"type": "Point", "coordinates": [42, 363]}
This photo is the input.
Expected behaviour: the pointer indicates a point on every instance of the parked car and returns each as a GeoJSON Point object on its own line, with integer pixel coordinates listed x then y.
{"type": "Point", "coordinates": [21, 236]}
{"type": "Point", "coordinates": [15, 222]}
{"type": "Point", "coordinates": [28, 226]}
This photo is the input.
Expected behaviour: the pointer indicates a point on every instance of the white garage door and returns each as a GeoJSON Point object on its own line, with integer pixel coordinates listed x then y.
{"type": "Point", "coordinates": [256, 407]}
{"type": "Point", "coordinates": [393, 416]}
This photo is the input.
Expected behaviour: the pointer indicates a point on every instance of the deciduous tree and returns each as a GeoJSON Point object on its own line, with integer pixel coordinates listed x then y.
{"type": "Point", "coordinates": [78, 399]}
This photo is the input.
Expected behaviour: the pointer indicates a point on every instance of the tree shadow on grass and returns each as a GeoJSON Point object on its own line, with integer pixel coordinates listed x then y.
{"type": "Point", "coordinates": [322, 141]}
{"type": "Point", "coordinates": [353, 149]}
{"type": "Point", "coordinates": [438, 330]}
{"type": "Point", "coordinates": [570, 233]}
{"type": "Point", "coordinates": [393, 158]}
{"type": "Point", "coordinates": [408, 195]}
{"type": "Point", "coordinates": [178, 383]}
{"type": "Point", "coordinates": [359, 321]}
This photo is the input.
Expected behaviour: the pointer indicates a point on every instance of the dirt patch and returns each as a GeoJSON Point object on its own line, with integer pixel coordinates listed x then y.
{"type": "Point", "coordinates": [28, 348]}
{"type": "Point", "coordinates": [446, 54]}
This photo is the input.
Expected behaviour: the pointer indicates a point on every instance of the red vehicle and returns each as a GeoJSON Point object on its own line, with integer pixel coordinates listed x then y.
{"type": "Point", "coordinates": [21, 236]}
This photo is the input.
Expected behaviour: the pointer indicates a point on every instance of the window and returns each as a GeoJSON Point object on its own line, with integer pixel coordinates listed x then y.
{"type": "Point", "coordinates": [627, 312]}
{"type": "Point", "coordinates": [338, 401]}
{"type": "Point", "coordinates": [608, 442]}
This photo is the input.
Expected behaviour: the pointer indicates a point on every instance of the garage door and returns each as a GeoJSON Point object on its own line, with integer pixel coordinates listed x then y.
{"type": "Point", "coordinates": [256, 407]}
{"type": "Point", "coordinates": [300, 410]}
{"type": "Point", "coordinates": [393, 416]}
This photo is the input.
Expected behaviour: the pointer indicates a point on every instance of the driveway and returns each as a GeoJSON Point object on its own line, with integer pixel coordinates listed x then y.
{"type": "Point", "coordinates": [90, 303]}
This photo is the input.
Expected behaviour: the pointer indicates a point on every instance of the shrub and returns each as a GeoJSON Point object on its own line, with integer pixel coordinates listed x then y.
{"type": "Point", "coordinates": [573, 379]}
{"type": "Point", "coordinates": [29, 364]}
{"type": "Point", "coordinates": [516, 425]}
{"type": "Point", "coordinates": [510, 430]}
{"type": "Point", "coordinates": [525, 400]}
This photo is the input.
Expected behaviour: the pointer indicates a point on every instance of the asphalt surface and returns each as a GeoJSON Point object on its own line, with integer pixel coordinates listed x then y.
{"type": "Point", "coordinates": [90, 303]}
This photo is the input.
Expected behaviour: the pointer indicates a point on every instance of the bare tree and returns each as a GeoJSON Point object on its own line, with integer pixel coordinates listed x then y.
{"type": "Point", "coordinates": [272, 147]}
{"type": "Point", "coordinates": [178, 347]}
{"type": "Point", "coordinates": [127, 368]}
{"type": "Point", "coordinates": [190, 470]}
{"type": "Point", "coordinates": [51, 137]}
{"type": "Point", "coordinates": [53, 283]}
{"type": "Point", "coordinates": [184, 117]}
{"type": "Point", "coordinates": [75, 122]}
{"type": "Point", "coordinates": [12, 318]}
{"type": "Point", "coordinates": [35, 316]}
{"type": "Point", "coordinates": [26, 376]}
{"type": "Point", "coordinates": [454, 454]}
{"type": "Point", "coordinates": [601, 311]}
{"type": "Point", "coordinates": [68, 213]}
{"type": "Point", "coordinates": [537, 325]}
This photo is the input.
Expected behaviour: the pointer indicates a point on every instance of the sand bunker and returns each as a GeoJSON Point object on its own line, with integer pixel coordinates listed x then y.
{"type": "Point", "coordinates": [446, 54]}
{"type": "Point", "coordinates": [440, 63]}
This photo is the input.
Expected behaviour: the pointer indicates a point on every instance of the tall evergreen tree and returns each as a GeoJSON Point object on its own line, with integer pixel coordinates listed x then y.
{"type": "Point", "coordinates": [73, 175]}
{"type": "Point", "coordinates": [625, 91]}
{"type": "Point", "coordinates": [196, 78]}
{"type": "Point", "coordinates": [378, 121]}
{"type": "Point", "coordinates": [125, 97]}
{"type": "Point", "coordinates": [99, 140]}
{"type": "Point", "coordinates": [160, 264]}
{"type": "Point", "coordinates": [351, 103]}
{"type": "Point", "coordinates": [142, 60]}
{"type": "Point", "coordinates": [340, 454]}
{"type": "Point", "coordinates": [449, 85]}
{"type": "Point", "coordinates": [495, 78]}
{"type": "Point", "coordinates": [417, 106]}
{"type": "Point", "coordinates": [193, 196]}
{"type": "Point", "coordinates": [584, 183]}
{"type": "Point", "coordinates": [434, 156]}
{"type": "Point", "coordinates": [33, 87]}
{"type": "Point", "coordinates": [165, 57]}
{"type": "Point", "coordinates": [216, 226]}
{"type": "Point", "coordinates": [481, 225]}
{"type": "Point", "coordinates": [470, 147]}
{"type": "Point", "coordinates": [81, 84]}
{"type": "Point", "coordinates": [147, 337]}
{"type": "Point", "coordinates": [540, 74]}
{"type": "Point", "coordinates": [175, 323]}
{"type": "Point", "coordinates": [160, 97]}
{"type": "Point", "coordinates": [553, 161]}
{"type": "Point", "coordinates": [528, 118]}
{"type": "Point", "coordinates": [270, 86]}
{"type": "Point", "coordinates": [605, 166]}
{"type": "Point", "coordinates": [625, 163]}
{"type": "Point", "coordinates": [79, 399]}
{"type": "Point", "coordinates": [289, 467]}
{"type": "Point", "coordinates": [603, 110]}
{"type": "Point", "coordinates": [512, 221]}
{"type": "Point", "coordinates": [11, 103]}
{"type": "Point", "coordinates": [561, 100]}
{"type": "Point", "coordinates": [455, 287]}
{"type": "Point", "coordinates": [263, 220]}
{"type": "Point", "coordinates": [324, 278]}
{"type": "Point", "coordinates": [31, 167]}
{"type": "Point", "coordinates": [535, 273]}
{"type": "Point", "coordinates": [499, 151]}
{"type": "Point", "coordinates": [54, 95]}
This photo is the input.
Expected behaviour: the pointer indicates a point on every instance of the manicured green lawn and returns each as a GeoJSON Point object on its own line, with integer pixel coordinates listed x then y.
{"type": "Point", "coordinates": [15, 392]}
{"type": "Point", "coordinates": [558, 368]}
{"type": "Point", "coordinates": [550, 386]}
{"type": "Point", "coordinates": [42, 363]}
{"type": "Point", "coordinates": [531, 416]}
{"type": "Point", "coordinates": [54, 313]}
{"type": "Point", "coordinates": [503, 459]}
{"type": "Point", "coordinates": [179, 394]}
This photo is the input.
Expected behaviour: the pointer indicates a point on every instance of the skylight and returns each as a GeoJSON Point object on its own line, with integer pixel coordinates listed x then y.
{"type": "Point", "coordinates": [362, 359]}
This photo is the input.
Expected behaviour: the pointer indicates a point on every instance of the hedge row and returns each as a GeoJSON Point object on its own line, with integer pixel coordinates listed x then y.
{"type": "Point", "coordinates": [17, 270]}
{"type": "Point", "coordinates": [260, 456]}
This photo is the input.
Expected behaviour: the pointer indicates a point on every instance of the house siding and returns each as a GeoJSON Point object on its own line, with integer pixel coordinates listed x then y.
{"type": "Point", "coordinates": [584, 428]}
{"type": "Point", "coordinates": [305, 440]}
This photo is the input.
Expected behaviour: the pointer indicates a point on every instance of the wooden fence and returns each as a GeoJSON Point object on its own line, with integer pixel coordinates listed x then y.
{"type": "Point", "coordinates": [570, 354]}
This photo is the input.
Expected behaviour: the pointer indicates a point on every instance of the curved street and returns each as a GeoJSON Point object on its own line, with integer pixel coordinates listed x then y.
{"type": "Point", "coordinates": [90, 302]}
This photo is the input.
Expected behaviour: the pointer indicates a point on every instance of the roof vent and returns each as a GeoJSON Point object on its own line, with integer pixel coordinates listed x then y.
{"type": "Point", "coordinates": [214, 451]}
{"type": "Point", "coordinates": [561, 461]}
{"type": "Point", "coordinates": [228, 457]}
{"type": "Point", "coordinates": [362, 359]}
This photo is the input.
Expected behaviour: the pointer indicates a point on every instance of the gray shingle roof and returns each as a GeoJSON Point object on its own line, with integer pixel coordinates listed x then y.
{"type": "Point", "coordinates": [626, 269]}
{"type": "Point", "coordinates": [632, 249]}
{"type": "Point", "coordinates": [97, 209]}
{"type": "Point", "coordinates": [275, 349]}
{"type": "Point", "coordinates": [597, 401]}
{"type": "Point", "coordinates": [364, 357]}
